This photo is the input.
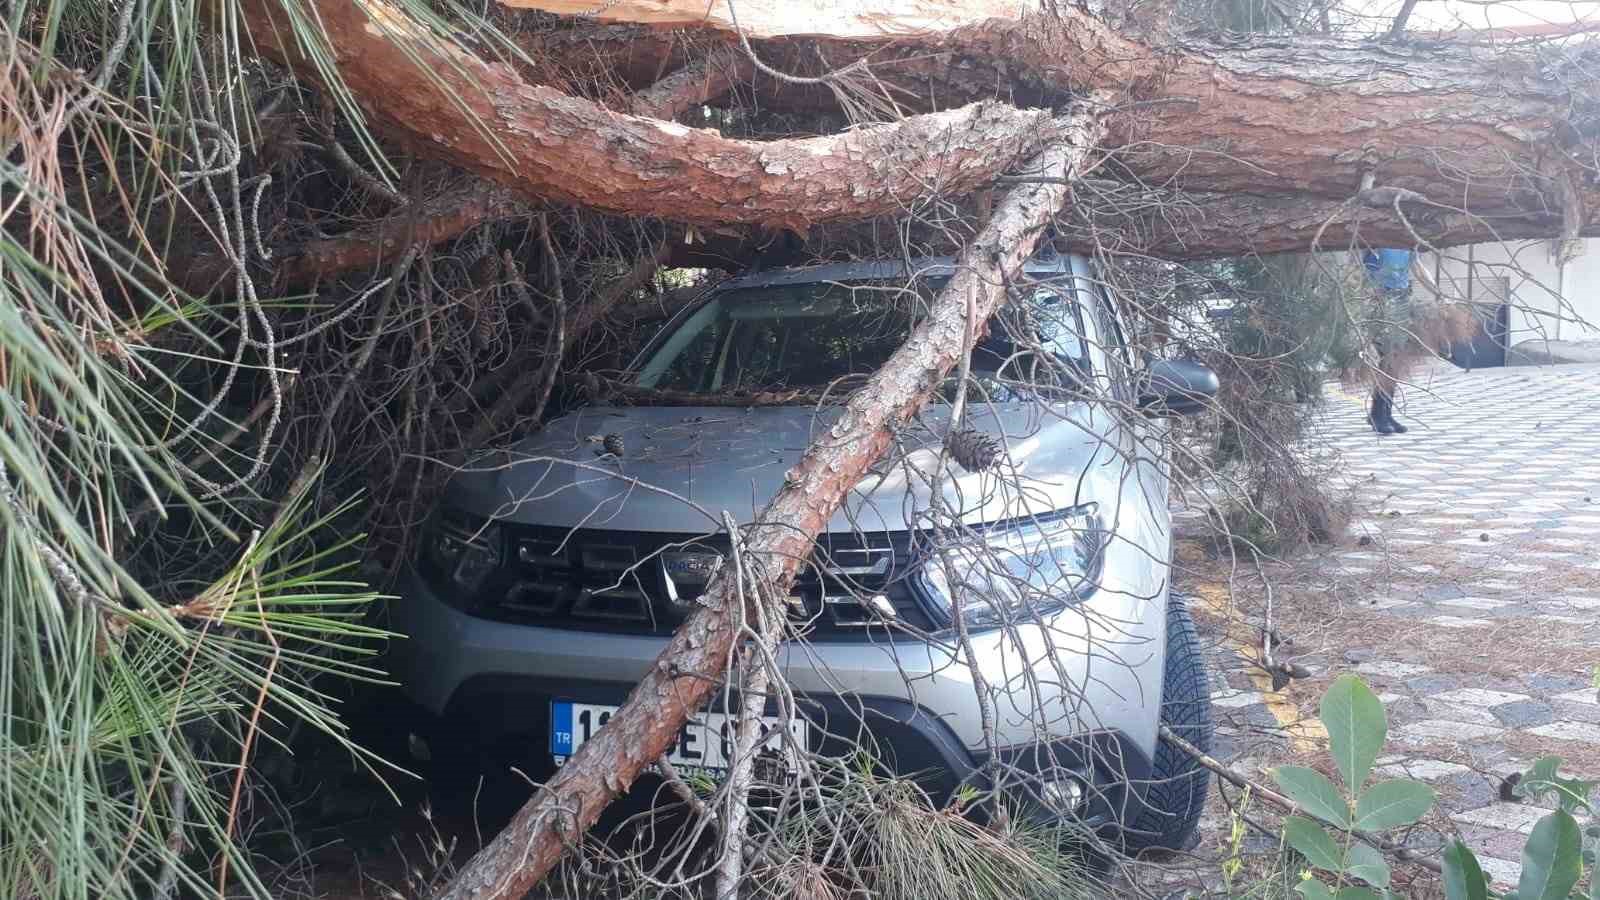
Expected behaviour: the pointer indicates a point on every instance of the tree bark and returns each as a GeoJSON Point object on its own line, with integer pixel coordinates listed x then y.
{"type": "Point", "coordinates": [1269, 114]}
{"type": "Point", "coordinates": [543, 143]}
{"type": "Point", "coordinates": [1194, 225]}
{"type": "Point", "coordinates": [694, 84]}
{"type": "Point", "coordinates": [457, 210]}
{"type": "Point", "coordinates": [1476, 129]}
{"type": "Point", "coordinates": [786, 18]}
{"type": "Point", "coordinates": [690, 665]}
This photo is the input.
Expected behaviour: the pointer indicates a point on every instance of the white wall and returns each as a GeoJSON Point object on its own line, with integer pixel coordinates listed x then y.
{"type": "Point", "coordinates": [1548, 301]}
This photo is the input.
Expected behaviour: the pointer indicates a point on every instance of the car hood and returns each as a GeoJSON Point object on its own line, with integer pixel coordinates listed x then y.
{"type": "Point", "coordinates": [681, 468]}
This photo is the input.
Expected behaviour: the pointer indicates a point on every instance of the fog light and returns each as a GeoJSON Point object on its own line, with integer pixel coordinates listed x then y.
{"type": "Point", "coordinates": [1064, 795]}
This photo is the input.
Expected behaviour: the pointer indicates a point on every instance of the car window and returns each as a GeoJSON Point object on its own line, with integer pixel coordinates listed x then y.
{"type": "Point", "coordinates": [810, 335]}
{"type": "Point", "coordinates": [769, 338]}
{"type": "Point", "coordinates": [1119, 364]}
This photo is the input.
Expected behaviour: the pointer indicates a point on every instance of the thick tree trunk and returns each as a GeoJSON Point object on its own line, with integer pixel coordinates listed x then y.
{"type": "Point", "coordinates": [1273, 114]}
{"type": "Point", "coordinates": [454, 211]}
{"type": "Point", "coordinates": [690, 665]}
{"type": "Point", "coordinates": [1493, 137]}
{"type": "Point", "coordinates": [538, 141]}
{"type": "Point", "coordinates": [783, 18]}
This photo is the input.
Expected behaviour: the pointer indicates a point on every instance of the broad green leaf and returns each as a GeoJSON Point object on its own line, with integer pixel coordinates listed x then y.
{"type": "Point", "coordinates": [1310, 841]}
{"type": "Point", "coordinates": [1543, 778]}
{"type": "Point", "coordinates": [1356, 892]}
{"type": "Point", "coordinates": [1463, 877]}
{"type": "Point", "coordinates": [1316, 795]}
{"type": "Point", "coordinates": [1392, 804]}
{"type": "Point", "coordinates": [1551, 863]}
{"type": "Point", "coordinates": [1312, 889]}
{"type": "Point", "coordinates": [1544, 770]}
{"type": "Point", "coordinates": [1367, 864]}
{"type": "Point", "coordinates": [1356, 727]}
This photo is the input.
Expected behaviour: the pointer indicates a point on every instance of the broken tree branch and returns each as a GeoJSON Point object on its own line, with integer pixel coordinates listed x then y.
{"type": "Point", "coordinates": [694, 84]}
{"type": "Point", "coordinates": [456, 209]}
{"type": "Point", "coordinates": [689, 668]}
{"type": "Point", "coordinates": [545, 144]}
{"type": "Point", "coordinates": [773, 18]}
{"type": "Point", "coordinates": [1276, 117]}
{"type": "Point", "coordinates": [1398, 29]}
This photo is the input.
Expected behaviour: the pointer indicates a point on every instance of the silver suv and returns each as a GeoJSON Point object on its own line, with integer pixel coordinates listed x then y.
{"type": "Point", "coordinates": [1010, 624]}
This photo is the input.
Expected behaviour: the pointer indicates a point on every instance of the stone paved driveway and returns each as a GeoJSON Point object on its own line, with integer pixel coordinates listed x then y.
{"type": "Point", "coordinates": [1468, 595]}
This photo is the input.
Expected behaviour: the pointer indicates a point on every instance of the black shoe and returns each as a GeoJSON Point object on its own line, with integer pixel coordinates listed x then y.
{"type": "Point", "coordinates": [1378, 418]}
{"type": "Point", "coordinates": [1388, 415]}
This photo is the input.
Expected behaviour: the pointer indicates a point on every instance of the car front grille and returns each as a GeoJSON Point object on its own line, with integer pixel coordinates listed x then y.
{"type": "Point", "coordinates": [645, 583]}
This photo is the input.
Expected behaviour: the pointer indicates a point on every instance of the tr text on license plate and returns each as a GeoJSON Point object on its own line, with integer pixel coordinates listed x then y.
{"type": "Point", "coordinates": [704, 742]}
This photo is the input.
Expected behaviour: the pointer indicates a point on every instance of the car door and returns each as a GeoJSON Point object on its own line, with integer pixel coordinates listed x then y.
{"type": "Point", "coordinates": [1135, 440]}
{"type": "Point", "coordinates": [1150, 465]}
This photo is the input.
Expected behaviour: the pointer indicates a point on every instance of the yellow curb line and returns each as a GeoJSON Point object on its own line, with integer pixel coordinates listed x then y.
{"type": "Point", "coordinates": [1305, 735]}
{"type": "Point", "coordinates": [1358, 399]}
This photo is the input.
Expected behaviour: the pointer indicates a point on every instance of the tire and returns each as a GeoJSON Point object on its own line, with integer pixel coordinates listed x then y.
{"type": "Point", "coordinates": [1170, 814]}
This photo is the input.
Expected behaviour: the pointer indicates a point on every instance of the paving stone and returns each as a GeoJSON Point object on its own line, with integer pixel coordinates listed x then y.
{"type": "Point", "coordinates": [1237, 699]}
{"type": "Point", "coordinates": [1443, 592]}
{"type": "Point", "coordinates": [1579, 621]}
{"type": "Point", "coordinates": [1582, 695]}
{"type": "Point", "coordinates": [1515, 817]}
{"type": "Point", "coordinates": [1468, 790]}
{"type": "Point", "coordinates": [1459, 712]}
{"type": "Point", "coordinates": [1476, 603]}
{"type": "Point", "coordinates": [1432, 684]}
{"type": "Point", "coordinates": [1459, 622]}
{"type": "Point", "coordinates": [1569, 731]}
{"type": "Point", "coordinates": [1524, 713]}
{"type": "Point", "coordinates": [1531, 484]}
{"type": "Point", "coordinates": [1479, 697]}
{"type": "Point", "coordinates": [1496, 584]}
{"type": "Point", "coordinates": [1261, 717]}
{"type": "Point", "coordinates": [1388, 669]}
{"type": "Point", "coordinates": [1549, 683]}
{"type": "Point", "coordinates": [1577, 712]}
{"type": "Point", "coordinates": [1444, 730]}
{"type": "Point", "coordinates": [1422, 769]}
{"type": "Point", "coordinates": [1493, 842]}
{"type": "Point", "coordinates": [1502, 873]}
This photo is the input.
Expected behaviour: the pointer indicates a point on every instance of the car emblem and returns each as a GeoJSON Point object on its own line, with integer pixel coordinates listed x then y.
{"type": "Point", "coordinates": [688, 570]}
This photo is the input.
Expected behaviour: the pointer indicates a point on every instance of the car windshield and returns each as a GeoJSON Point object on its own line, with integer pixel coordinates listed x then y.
{"type": "Point", "coordinates": [813, 335]}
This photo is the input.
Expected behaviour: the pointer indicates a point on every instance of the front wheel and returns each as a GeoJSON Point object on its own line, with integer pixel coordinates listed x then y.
{"type": "Point", "coordinates": [1170, 813]}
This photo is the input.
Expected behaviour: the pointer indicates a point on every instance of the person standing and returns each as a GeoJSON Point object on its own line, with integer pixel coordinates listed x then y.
{"type": "Point", "coordinates": [1389, 277]}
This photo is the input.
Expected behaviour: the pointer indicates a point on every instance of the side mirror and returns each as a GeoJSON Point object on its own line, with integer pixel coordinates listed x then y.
{"type": "Point", "coordinates": [1176, 387]}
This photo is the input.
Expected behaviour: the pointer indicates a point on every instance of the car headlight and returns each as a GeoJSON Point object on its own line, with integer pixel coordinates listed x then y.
{"type": "Point", "coordinates": [461, 552]}
{"type": "Point", "coordinates": [1019, 571]}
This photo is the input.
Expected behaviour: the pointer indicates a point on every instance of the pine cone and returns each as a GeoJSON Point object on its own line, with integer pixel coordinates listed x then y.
{"type": "Point", "coordinates": [973, 450]}
{"type": "Point", "coordinates": [612, 444]}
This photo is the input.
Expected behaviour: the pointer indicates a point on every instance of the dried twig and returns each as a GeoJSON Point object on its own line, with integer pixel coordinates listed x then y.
{"type": "Point", "coordinates": [1222, 770]}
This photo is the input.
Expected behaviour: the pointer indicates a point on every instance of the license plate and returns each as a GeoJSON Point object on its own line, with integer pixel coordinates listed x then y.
{"type": "Point", "coordinates": [704, 742]}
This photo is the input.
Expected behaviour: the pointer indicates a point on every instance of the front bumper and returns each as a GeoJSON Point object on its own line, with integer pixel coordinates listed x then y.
{"type": "Point", "coordinates": [913, 702]}
{"type": "Point", "coordinates": [506, 719]}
